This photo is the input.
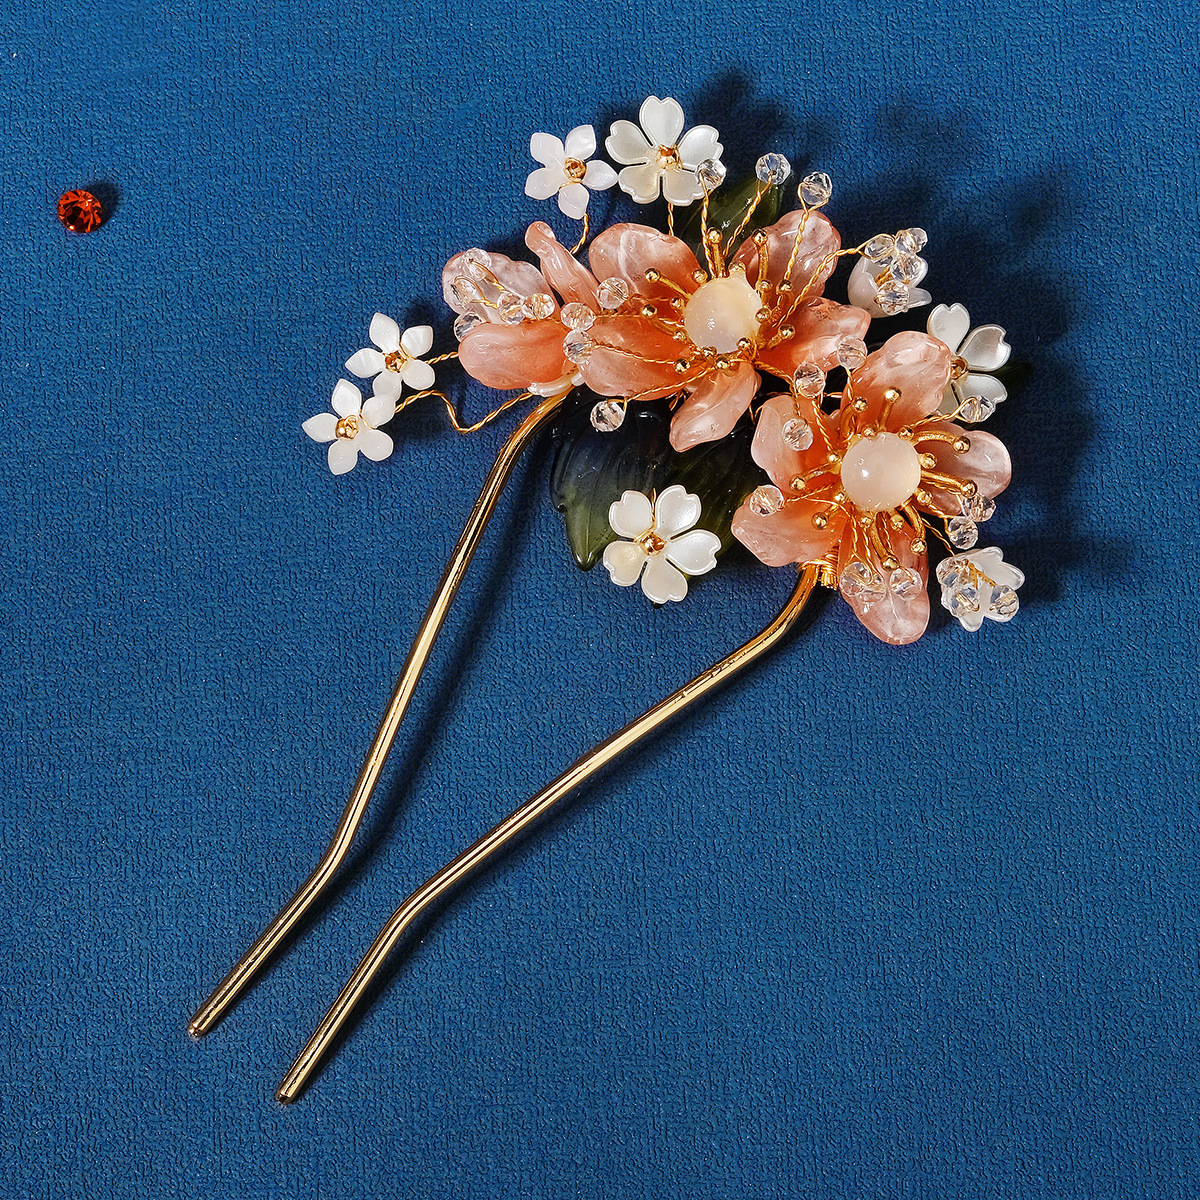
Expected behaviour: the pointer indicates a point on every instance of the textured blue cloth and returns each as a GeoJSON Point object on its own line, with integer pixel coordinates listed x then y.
{"type": "Point", "coordinates": [872, 922]}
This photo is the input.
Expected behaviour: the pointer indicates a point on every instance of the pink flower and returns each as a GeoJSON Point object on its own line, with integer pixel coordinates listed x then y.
{"type": "Point", "coordinates": [705, 333]}
{"type": "Point", "coordinates": [854, 498]}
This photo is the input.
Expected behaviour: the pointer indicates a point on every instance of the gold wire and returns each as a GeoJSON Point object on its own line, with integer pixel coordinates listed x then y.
{"type": "Point", "coordinates": [487, 848]}
{"type": "Point", "coordinates": [583, 237]}
{"type": "Point", "coordinates": [230, 990]}
{"type": "Point", "coordinates": [432, 393]}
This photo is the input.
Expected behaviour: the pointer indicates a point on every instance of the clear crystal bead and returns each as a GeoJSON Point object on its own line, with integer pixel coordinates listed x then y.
{"type": "Point", "coordinates": [892, 298]}
{"type": "Point", "coordinates": [509, 306]}
{"type": "Point", "coordinates": [860, 581]}
{"type": "Point", "coordinates": [577, 346]}
{"type": "Point", "coordinates": [465, 323]}
{"type": "Point", "coordinates": [577, 316]}
{"type": "Point", "coordinates": [539, 306]}
{"type": "Point", "coordinates": [766, 500]}
{"type": "Point", "coordinates": [904, 582]}
{"type": "Point", "coordinates": [815, 189]}
{"type": "Point", "coordinates": [962, 532]}
{"type": "Point", "coordinates": [978, 507]}
{"type": "Point", "coordinates": [851, 353]}
{"type": "Point", "coordinates": [879, 247]}
{"type": "Point", "coordinates": [477, 263]}
{"type": "Point", "coordinates": [906, 267]}
{"type": "Point", "coordinates": [961, 598]}
{"type": "Point", "coordinates": [612, 292]}
{"type": "Point", "coordinates": [464, 291]}
{"type": "Point", "coordinates": [772, 169]}
{"type": "Point", "coordinates": [607, 416]}
{"type": "Point", "coordinates": [912, 241]}
{"type": "Point", "coordinates": [797, 434]}
{"type": "Point", "coordinates": [976, 409]}
{"type": "Point", "coordinates": [711, 173]}
{"type": "Point", "coordinates": [1004, 604]}
{"type": "Point", "coordinates": [810, 380]}
{"type": "Point", "coordinates": [951, 570]}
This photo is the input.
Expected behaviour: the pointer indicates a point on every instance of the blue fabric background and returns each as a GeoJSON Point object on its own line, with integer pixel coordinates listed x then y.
{"type": "Point", "coordinates": [873, 922]}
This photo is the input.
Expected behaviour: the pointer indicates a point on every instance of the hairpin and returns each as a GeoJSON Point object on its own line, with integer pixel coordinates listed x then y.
{"type": "Point", "coordinates": [703, 389]}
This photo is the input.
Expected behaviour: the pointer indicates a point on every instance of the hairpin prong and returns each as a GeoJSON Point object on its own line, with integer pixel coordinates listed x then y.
{"type": "Point", "coordinates": [494, 843]}
{"type": "Point", "coordinates": [230, 990]}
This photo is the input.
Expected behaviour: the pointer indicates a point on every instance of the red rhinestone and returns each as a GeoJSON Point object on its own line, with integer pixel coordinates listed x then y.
{"type": "Point", "coordinates": [80, 211]}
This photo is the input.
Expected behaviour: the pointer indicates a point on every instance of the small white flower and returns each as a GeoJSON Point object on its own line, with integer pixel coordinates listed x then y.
{"type": "Point", "coordinates": [566, 171]}
{"type": "Point", "coordinates": [886, 285]}
{"type": "Point", "coordinates": [659, 542]}
{"type": "Point", "coordinates": [975, 392]}
{"type": "Point", "coordinates": [980, 584]}
{"type": "Point", "coordinates": [352, 426]}
{"type": "Point", "coordinates": [397, 361]}
{"type": "Point", "coordinates": [659, 155]}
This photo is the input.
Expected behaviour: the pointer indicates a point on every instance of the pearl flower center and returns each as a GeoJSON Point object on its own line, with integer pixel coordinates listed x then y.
{"type": "Point", "coordinates": [722, 312]}
{"type": "Point", "coordinates": [880, 473]}
{"type": "Point", "coordinates": [347, 428]}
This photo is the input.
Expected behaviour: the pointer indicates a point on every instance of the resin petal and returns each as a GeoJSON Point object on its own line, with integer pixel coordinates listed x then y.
{"type": "Point", "coordinates": [417, 341]}
{"type": "Point", "coordinates": [985, 348]}
{"type": "Point", "coordinates": [374, 443]}
{"type": "Point", "coordinates": [894, 619]}
{"type": "Point", "coordinates": [599, 176]}
{"type": "Point", "coordinates": [949, 323]}
{"type": "Point", "coordinates": [544, 183]}
{"type": "Point", "coordinates": [563, 271]}
{"type": "Point", "coordinates": [385, 333]}
{"type": "Point", "coordinates": [418, 375]}
{"type": "Point", "coordinates": [714, 407]}
{"type": "Point", "coordinates": [346, 399]}
{"type": "Point", "coordinates": [632, 515]}
{"type": "Point", "coordinates": [580, 142]}
{"type": "Point", "coordinates": [694, 552]}
{"type": "Point", "coordinates": [986, 464]}
{"type": "Point", "coordinates": [573, 201]}
{"type": "Point", "coordinates": [627, 143]}
{"type": "Point", "coordinates": [365, 363]}
{"type": "Point", "coordinates": [789, 535]}
{"type": "Point", "coordinates": [820, 325]}
{"type": "Point", "coordinates": [630, 357]}
{"type": "Point", "coordinates": [514, 356]}
{"type": "Point", "coordinates": [662, 120]}
{"type": "Point", "coordinates": [641, 182]}
{"type": "Point", "coordinates": [546, 148]}
{"type": "Point", "coordinates": [662, 582]}
{"type": "Point", "coordinates": [698, 144]}
{"type": "Point", "coordinates": [818, 242]}
{"type": "Point", "coordinates": [378, 410]}
{"type": "Point", "coordinates": [389, 385]}
{"type": "Point", "coordinates": [627, 251]}
{"type": "Point", "coordinates": [321, 428]}
{"type": "Point", "coordinates": [675, 510]}
{"type": "Point", "coordinates": [624, 561]}
{"type": "Point", "coordinates": [342, 456]}
{"type": "Point", "coordinates": [915, 364]}
{"type": "Point", "coordinates": [681, 186]}
{"type": "Point", "coordinates": [774, 455]}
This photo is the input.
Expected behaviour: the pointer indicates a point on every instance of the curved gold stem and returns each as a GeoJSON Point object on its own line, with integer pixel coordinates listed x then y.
{"type": "Point", "coordinates": [230, 989]}
{"type": "Point", "coordinates": [488, 847]}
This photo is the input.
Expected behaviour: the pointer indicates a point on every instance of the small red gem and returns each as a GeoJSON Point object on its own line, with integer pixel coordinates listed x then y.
{"type": "Point", "coordinates": [80, 211]}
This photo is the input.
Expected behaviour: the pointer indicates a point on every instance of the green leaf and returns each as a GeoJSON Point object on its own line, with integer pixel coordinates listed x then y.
{"type": "Point", "coordinates": [722, 474]}
{"type": "Point", "coordinates": [727, 209]}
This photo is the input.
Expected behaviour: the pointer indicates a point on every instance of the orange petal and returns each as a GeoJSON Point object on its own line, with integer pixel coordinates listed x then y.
{"type": "Point", "coordinates": [819, 324]}
{"type": "Point", "coordinates": [563, 271]}
{"type": "Point", "coordinates": [916, 365]}
{"type": "Point", "coordinates": [813, 262]}
{"type": "Point", "coordinates": [987, 463]}
{"type": "Point", "coordinates": [787, 536]}
{"type": "Point", "coordinates": [628, 251]}
{"type": "Point", "coordinates": [891, 618]}
{"type": "Point", "coordinates": [631, 357]}
{"type": "Point", "coordinates": [774, 455]}
{"type": "Point", "coordinates": [714, 406]}
{"type": "Point", "coordinates": [515, 356]}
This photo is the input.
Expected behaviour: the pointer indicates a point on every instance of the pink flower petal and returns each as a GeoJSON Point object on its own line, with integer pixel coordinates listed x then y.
{"type": "Point", "coordinates": [520, 278]}
{"type": "Point", "coordinates": [789, 535]}
{"type": "Point", "coordinates": [917, 365]}
{"type": "Point", "coordinates": [817, 243]}
{"type": "Point", "coordinates": [514, 356]}
{"type": "Point", "coordinates": [987, 463]}
{"type": "Point", "coordinates": [631, 357]}
{"type": "Point", "coordinates": [562, 270]}
{"type": "Point", "coordinates": [819, 324]}
{"type": "Point", "coordinates": [774, 455]}
{"type": "Point", "coordinates": [713, 408]}
{"type": "Point", "coordinates": [628, 251]}
{"type": "Point", "coordinates": [891, 618]}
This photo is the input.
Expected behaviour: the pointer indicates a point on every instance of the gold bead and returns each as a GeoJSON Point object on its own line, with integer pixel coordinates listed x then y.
{"type": "Point", "coordinates": [870, 431]}
{"type": "Point", "coordinates": [680, 335]}
{"type": "Point", "coordinates": [653, 275]}
{"type": "Point", "coordinates": [722, 363]}
{"type": "Point", "coordinates": [785, 285]}
{"type": "Point", "coordinates": [681, 366]}
{"type": "Point", "coordinates": [820, 520]}
{"type": "Point", "coordinates": [906, 433]}
{"type": "Point", "coordinates": [969, 488]}
{"type": "Point", "coordinates": [892, 395]}
{"type": "Point", "coordinates": [859, 406]}
{"type": "Point", "coordinates": [648, 310]}
{"type": "Point", "coordinates": [962, 445]}
{"type": "Point", "coordinates": [839, 497]}
{"type": "Point", "coordinates": [918, 546]}
{"type": "Point", "coordinates": [786, 331]}
{"type": "Point", "coordinates": [923, 497]}
{"type": "Point", "coordinates": [762, 314]}
{"type": "Point", "coordinates": [760, 238]}
{"type": "Point", "coordinates": [797, 483]}
{"type": "Point", "coordinates": [832, 459]}
{"type": "Point", "coordinates": [896, 521]}
{"type": "Point", "coordinates": [699, 277]}
{"type": "Point", "coordinates": [744, 344]}
{"type": "Point", "coordinates": [891, 562]}
{"type": "Point", "coordinates": [928, 461]}
{"type": "Point", "coordinates": [714, 235]}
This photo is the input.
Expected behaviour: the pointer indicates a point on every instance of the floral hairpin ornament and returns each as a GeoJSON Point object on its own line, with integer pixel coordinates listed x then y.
{"type": "Point", "coordinates": [703, 389]}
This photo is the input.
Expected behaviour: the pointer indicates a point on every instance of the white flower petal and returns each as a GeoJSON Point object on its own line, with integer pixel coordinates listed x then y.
{"type": "Point", "coordinates": [662, 582]}
{"type": "Point", "coordinates": [627, 143]}
{"type": "Point", "coordinates": [861, 286]}
{"type": "Point", "coordinates": [630, 516]}
{"type": "Point", "coordinates": [545, 182]}
{"type": "Point", "coordinates": [385, 333]}
{"type": "Point", "coordinates": [342, 456]}
{"type": "Point", "coordinates": [599, 175]}
{"type": "Point", "coordinates": [547, 149]}
{"type": "Point", "coordinates": [580, 142]}
{"type": "Point", "coordinates": [321, 428]}
{"type": "Point", "coordinates": [374, 443]}
{"type": "Point", "coordinates": [675, 510]}
{"type": "Point", "coordinates": [418, 375]}
{"type": "Point", "coordinates": [950, 399]}
{"type": "Point", "coordinates": [699, 144]}
{"type": "Point", "coordinates": [985, 348]}
{"type": "Point", "coordinates": [573, 200]}
{"type": "Point", "coordinates": [641, 182]}
{"type": "Point", "coordinates": [694, 552]}
{"type": "Point", "coordinates": [417, 341]}
{"type": "Point", "coordinates": [379, 410]}
{"type": "Point", "coordinates": [624, 561]}
{"type": "Point", "coordinates": [365, 363]}
{"type": "Point", "coordinates": [662, 120]}
{"type": "Point", "coordinates": [347, 399]}
{"type": "Point", "coordinates": [389, 385]}
{"type": "Point", "coordinates": [681, 186]}
{"type": "Point", "coordinates": [949, 323]}
{"type": "Point", "coordinates": [986, 387]}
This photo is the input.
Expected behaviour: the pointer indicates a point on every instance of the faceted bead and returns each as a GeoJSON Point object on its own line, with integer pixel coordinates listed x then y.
{"type": "Point", "coordinates": [851, 353]}
{"type": "Point", "coordinates": [962, 598]}
{"type": "Point", "coordinates": [810, 380]}
{"type": "Point", "coordinates": [577, 346]}
{"type": "Point", "coordinates": [477, 263]}
{"type": "Point", "coordinates": [539, 306]}
{"type": "Point", "coordinates": [862, 582]}
{"type": "Point", "coordinates": [509, 306]}
{"type": "Point", "coordinates": [577, 316]}
{"type": "Point", "coordinates": [912, 241]}
{"type": "Point", "coordinates": [978, 507]}
{"type": "Point", "coordinates": [962, 532]}
{"type": "Point", "coordinates": [1004, 604]}
{"type": "Point", "coordinates": [80, 211]}
{"type": "Point", "coordinates": [904, 582]}
{"type": "Point", "coordinates": [464, 291]}
{"type": "Point", "coordinates": [976, 409]}
{"type": "Point", "coordinates": [797, 434]}
{"type": "Point", "coordinates": [607, 416]}
{"type": "Point", "coordinates": [772, 169]}
{"type": "Point", "coordinates": [951, 570]}
{"type": "Point", "coordinates": [465, 323]}
{"type": "Point", "coordinates": [815, 189]}
{"type": "Point", "coordinates": [711, 173]}
{"type": "Point", "coordinates": [765, 500]}
{"type": "Point", "coordinates": [612, 292]}
{"type": "Point", "coordinates": [907, 267]}
{"type": "Point", "coordinates": [879, 247]}
{"type": "Point", "coordinates": [892, 298]}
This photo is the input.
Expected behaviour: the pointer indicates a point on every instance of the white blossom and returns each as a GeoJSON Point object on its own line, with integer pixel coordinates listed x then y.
{"type": "Point", "coordinates": [973, 395]}
{"type": "Point", "coordinates": [566, 172]}
{"type": "Point", "coordinates": [979, 584]}
{"type": "Point", "coordinates": [658, 156]}
{"type": "Point", "coordinates": [352, 427]}
{"type": "Point", "coordinates": [396, 360]}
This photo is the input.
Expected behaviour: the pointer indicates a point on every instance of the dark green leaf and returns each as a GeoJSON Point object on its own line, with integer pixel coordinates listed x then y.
{"type": "Point", "coordinates": [722, 474]}
{"type": "Point", "coordinates": [727, 209]}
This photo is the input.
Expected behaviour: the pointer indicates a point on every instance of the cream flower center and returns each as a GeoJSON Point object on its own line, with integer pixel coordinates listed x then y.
{"type": "Point", "coordinates": [881, 472]}
{"type": "Point", "coordinates": [722, 312]}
